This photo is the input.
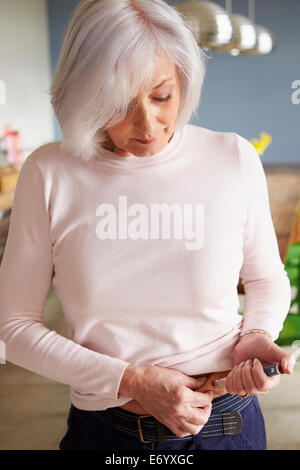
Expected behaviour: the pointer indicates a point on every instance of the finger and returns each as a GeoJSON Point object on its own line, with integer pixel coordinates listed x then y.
{"type": "Point", "coordinates": [262, 381]}
{"type": "Point", "coordinates": [280, 356]}
{"type": "Point", "coordinates": [180, 432]}
{"type": "Point", "coordinates": [288, 363]}
{"type": "Point", "coordinates": [196, 420]}
{"type": "Point", "coordinates": [191, 425]}
{"type": "Point", "coordinates": [200, 399]}
{"type": "Point", "coordinates": [229, 380]}
{"type": "Point", "coordinates": [201, 380]}
{"type": "Point", "coordinates": [238, 385]}
{"type": "Point", "coordinates": [186, 430]}
{"type": "Point", "coordinates": [195, 382]}
{"type": "Point", "coordinates": [199, 416]}
{"type": "Point", "coordinates": [247, 378]}
{"type": "Point", "coordinates": [259, 376]}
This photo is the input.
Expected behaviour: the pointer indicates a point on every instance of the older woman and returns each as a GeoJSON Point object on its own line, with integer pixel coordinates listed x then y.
{"type": "Point", "coordinates": [143, 224]}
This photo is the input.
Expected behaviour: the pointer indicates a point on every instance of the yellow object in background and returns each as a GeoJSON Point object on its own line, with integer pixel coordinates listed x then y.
{"type": "Point", "coordinates": [9, 175]}
{"type": "Point", "coordinates": [262, 144]}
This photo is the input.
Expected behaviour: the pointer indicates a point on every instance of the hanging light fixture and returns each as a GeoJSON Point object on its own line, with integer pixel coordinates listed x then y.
{"type": "Point", "coordinates": [244, 35]}
{"type": "Point", "coordinates": [218, 29]}
{"type": "Point", "coordinates": [248, 38]}
{"type": "Point", "coordinates": [244, 32]}
{"type": "Point", "coordinates": [265, 40]}
{"type": "Point", "coordinates": [210, 23]}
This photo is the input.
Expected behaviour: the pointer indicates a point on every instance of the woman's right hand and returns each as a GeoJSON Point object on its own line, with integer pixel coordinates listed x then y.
{"type": "Point", "coordinates": [169, 396]}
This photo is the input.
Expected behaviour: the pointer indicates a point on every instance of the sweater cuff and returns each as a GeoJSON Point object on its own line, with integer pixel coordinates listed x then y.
{"type": "Point", "coordinates": [117, 370]}
{"type": "Point", "coordinates": [262, 321]}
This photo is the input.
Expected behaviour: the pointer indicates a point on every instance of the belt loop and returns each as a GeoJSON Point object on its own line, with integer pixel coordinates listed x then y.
{"type": "Point", "coordinates": [161, 432]}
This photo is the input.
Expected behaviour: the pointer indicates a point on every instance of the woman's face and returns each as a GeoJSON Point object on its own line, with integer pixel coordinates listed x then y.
{"type": "Point", "coordinates": [153, 116]}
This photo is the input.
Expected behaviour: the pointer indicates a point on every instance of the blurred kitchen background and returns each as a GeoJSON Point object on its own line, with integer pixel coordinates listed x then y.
{"type": "Point", "coordinates": [250, 89]}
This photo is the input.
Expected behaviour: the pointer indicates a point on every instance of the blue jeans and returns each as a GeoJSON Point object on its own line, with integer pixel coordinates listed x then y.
{"type": "Point", "coordinates": [87, 432]}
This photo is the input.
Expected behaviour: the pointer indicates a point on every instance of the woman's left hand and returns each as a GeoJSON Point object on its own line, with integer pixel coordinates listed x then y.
{"type": "Point", "coordinates": [251, 353]}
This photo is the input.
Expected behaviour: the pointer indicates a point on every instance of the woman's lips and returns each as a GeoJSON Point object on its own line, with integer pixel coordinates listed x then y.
{"type": "Point", "coordinates": [145, 142]}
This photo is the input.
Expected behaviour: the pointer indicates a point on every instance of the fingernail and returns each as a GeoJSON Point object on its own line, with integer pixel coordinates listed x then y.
{"type": "Point", "coordinates": [219, 383]}
{"type": "Point", "coordinates": [290, 364]}
{"type": "Point", "coordinates": [201, 380]}
{"type": "Point", "coordinates": [255, 362]}
{"type": "Point", "coordinates": [248, 363]}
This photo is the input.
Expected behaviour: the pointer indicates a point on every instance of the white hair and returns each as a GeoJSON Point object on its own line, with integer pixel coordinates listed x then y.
{"type": "Point", "coordinates": [108, 54]}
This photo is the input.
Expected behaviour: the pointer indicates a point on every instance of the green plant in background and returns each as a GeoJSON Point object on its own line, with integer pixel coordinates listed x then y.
{"type": "Point", "coordinates": [291, 326]}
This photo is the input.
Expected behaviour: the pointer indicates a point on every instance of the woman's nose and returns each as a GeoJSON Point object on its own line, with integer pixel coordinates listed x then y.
{"type": "Point", "coordinates": [145, 121]}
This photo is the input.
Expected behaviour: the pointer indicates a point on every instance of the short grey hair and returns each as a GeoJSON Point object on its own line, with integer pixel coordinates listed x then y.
{"type": "Point", "coordinates": [108, 55]}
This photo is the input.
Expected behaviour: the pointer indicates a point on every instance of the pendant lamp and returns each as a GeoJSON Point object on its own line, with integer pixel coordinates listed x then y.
{"type": "Point", "coordinates": [210, 23]}
{"type": "Point", "coordinates": [218, 29]}
{"type": "Point", "coordinates": [244, 32]}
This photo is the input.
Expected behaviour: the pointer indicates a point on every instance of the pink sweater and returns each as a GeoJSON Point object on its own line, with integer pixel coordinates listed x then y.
{"type": "Point", "coordinates": [138, 285]}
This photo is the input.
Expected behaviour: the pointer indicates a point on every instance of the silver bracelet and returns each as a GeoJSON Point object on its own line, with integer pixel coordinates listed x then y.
{"type": "Point", "coordinates": [253, 330]}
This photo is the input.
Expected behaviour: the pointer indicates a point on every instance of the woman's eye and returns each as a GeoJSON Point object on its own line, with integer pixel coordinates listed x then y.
{"type": "Point", "coordinates": [133, 105]}
{"type": "Point", "coordinates": [163, 99]}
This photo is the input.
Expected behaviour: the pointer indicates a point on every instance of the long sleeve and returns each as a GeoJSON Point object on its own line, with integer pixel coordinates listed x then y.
{"type": "Point", "coordinates": [25, 278]}
{"type": "Point", "coordinates": [266, 284]}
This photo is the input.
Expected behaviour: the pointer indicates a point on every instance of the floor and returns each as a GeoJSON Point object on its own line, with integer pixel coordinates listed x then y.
{"type": "Point", "coordinates": [34, 409]}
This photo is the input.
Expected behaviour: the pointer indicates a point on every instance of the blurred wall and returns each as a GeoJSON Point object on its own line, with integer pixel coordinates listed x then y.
{"type": "Point", "coordinates": [247, 95]}
{"type": "Point", "coordinates": [25, 70]}
{"type": "Point", "coordinates": [59, 14]}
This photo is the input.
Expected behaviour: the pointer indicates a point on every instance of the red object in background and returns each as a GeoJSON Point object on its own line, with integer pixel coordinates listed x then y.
{"type": "Point", "coordinates": [12, 145]}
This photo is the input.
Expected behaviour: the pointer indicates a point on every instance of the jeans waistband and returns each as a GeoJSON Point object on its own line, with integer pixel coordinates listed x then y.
{"type": "Point", "coordinates": [225, 419]}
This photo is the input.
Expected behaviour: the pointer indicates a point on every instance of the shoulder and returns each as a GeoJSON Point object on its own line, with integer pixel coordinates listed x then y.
{"type": "Point", "coordinates": [224, 143]}
{"type": "Point", "coordinates": [219, 146]}
{"type": "Point", "coordinates": [47, 152]}
{"type": "Point", "coordinates": [249, 159]}
{"type": "Point", "coordinates": [49, 158]}
{"type": "Point", "coordinates": [210, 137]}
